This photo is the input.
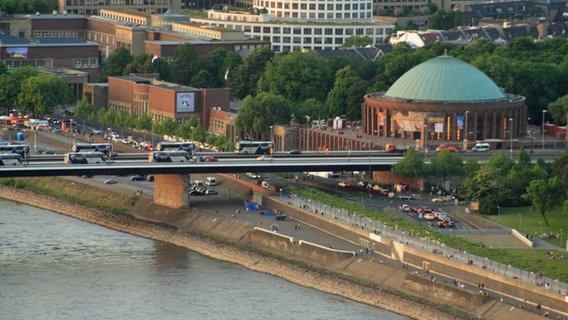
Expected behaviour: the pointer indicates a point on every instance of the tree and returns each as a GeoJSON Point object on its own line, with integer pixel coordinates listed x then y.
{"type": "Point", "coordinates": [347, 95]}
{"type": "Point", "coordinates": [558, 110]}
{"type": "Point", "coordinates": [203, 79]}
{"type": "Point", "coordinates": [545, 195]}
{"type": "Point", "coordinates": [144, 122]}
{"type": "Point", "coordinates": [297, 76]}
{"type": "Point", "coordinates": [257, 114]}
{"type": "Point", "coordinates": [40, 94]}
{"type": "Point", "coordinates": [445, 165]}
{"type": "Point", "coordinates": [84, 110]}
{"type": "Point", "coordinates": [184, 63]}
{"type": "Point", "coordinates": [243, 81]}
{"type": "Point", "coordinates": [115, 64]}
{"type": "Point", "coordinates": [9, 89]}
{"type": "Point", "coordinates": [141, 63]}
{"type": "Point", "coordinates": [357, 41]}
{"type": "Point", "coordinates": [411, 165]}
{"type": "Point", "coordinates": [445, 20]}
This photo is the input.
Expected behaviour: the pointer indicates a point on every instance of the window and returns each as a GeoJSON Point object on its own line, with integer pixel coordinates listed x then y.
{"type": "Point", "coordinates": [307, 31]}
{"type": "Point", "coordinates": [297, 31]}
{"type": "Point", "coordinates": [286, 39]}
{"type": "Point", "coordinates": [286, 30]}
{"type": "Point", "coordinates": [266, 29]}
{"type": "Point", "coordinates": [297, 40]}
{"type": "Point", "coordinates": [256, 29]}
{"type": "Point", "coordinates": [275, 39]}
{"type": "Point", "coordinates": [276, 30]}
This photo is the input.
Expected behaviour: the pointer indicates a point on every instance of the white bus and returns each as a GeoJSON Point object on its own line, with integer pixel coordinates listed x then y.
{"type": "Point", "coordinates": [84, 158]}
{"type": "Point", "coordinates": [98, 147]}
{"type": "Point", "coordinates": [169, 156]}
{"type": "Point", "coordinates": [22, 149]}
{"type": "Point", "coordinates": [254, 147]}
{"type": "Point", "coordinates": [10, 159]}
{"type": "Point", "coordinates": [167, 145]}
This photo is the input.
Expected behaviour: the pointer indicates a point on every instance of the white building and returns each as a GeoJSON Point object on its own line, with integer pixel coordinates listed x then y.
{"type": "Point", "coordinates": [292, 25]}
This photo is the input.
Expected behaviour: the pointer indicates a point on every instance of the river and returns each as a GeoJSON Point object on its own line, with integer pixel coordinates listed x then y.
{"type": "Point", "coordinates": [56, 267]}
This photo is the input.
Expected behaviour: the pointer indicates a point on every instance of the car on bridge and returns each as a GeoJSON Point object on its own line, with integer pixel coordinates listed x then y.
{"type": "Point", "coordinates": [137, 177]}
{"type": "Point", "coordinates": [444, 147]}
{"type": "Point", "coordinates": [111, 181]}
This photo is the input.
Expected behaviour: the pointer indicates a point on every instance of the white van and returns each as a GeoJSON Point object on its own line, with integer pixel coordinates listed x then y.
{"type": "Point", "coordinates": [210, 181]}
{"type": "Point", "coordinates": [481, 147]}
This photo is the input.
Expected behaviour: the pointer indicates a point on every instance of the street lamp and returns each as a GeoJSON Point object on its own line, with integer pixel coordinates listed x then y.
{"type": "Point", "coordinates": [542, 129]}
{"type": "Point", "coordinates": [511, 136]}
{"type": "Point", "coordinates": [540, 223]}
{"type": "Point", "coordinates": [498, 210]}
{"type": "Point", "coordinates": [561, 244]}
{"type": "Point", "coordinates": [272, 139]}
{"type": "Point", "coordinates": [192, 149]}
{"type": "Point", "coordinates": [520, 221]}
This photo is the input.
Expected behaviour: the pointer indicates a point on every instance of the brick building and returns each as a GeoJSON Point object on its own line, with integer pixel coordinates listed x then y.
{"type": "Point", "coordinates": [162, 100]}
{"type": "Point", "coordinates": [94, 7]}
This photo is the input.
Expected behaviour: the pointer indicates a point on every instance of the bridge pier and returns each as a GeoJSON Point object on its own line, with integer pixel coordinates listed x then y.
{"type": "Point", "coordinates": [172, 190]}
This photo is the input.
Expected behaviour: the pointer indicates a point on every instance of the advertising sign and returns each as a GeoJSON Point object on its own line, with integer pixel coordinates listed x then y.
{"type": "Point", "coordinates": [439, 127]}
{"type": "Point", "coordinates": [459, 122]}
{"type": "Point", "coordinates": [185, 102]}
{"type": "Point", "coordinates": [21, 53]}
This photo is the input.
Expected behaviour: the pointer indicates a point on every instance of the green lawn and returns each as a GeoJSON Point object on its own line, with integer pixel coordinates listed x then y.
{"type": "Point", "coordinates": [529, 222]}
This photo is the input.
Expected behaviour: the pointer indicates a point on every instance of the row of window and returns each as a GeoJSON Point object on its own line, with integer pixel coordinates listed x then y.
{"type": "Point", "coordinates": [115, 2]}
{"type": "Point", "coordinates": [312, 6]}
{"type": "Point", "coordinates": [100, 37]}
{"type": "Point", "coordinates": [323, 15]}
{"type": "Point", "coordinates": [85, 63]}
{"type": "Point", "coordinates": [317, 31]}
{"type": "Point", "coordinates": [18, 63]}
{"type": "Point", "coordinates": [55, 33]}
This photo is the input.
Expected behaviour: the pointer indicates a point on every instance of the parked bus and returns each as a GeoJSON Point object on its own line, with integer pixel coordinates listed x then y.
{"type": "Point", "coordinates": [10, 159]}
{"type": "Point", "coordinates": [254, 147]}
{"type": "Point", "coordinates": [22, 149]}
{"type": "Point", "coordinates": [169, 156]}
{"type": "Point", "coordinates": [167, 145]}
{"type": "Point", "coordinates": [95, 147]}
{"type": "Point", "coordinates": [85, 158]}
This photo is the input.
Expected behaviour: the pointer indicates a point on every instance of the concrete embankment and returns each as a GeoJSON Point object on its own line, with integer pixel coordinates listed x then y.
{"type": "Point", "coordinates": [305, 264]}
{"type": "Point", "coordinates": [173, 226]}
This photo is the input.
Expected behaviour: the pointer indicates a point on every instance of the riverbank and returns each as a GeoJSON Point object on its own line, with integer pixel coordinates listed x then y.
{"type": "Point", "coordinates": [296, 273]}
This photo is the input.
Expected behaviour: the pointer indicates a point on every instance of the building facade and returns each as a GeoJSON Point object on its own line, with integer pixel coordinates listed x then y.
{"type": "Point", "coordinates": [93, 7]}
{"type": "Point", "coordinates": [164, 100]}
{"type": "Point", "coordinates": [304, 25]}
{"type": "Point", "coordinates": [444, 99]}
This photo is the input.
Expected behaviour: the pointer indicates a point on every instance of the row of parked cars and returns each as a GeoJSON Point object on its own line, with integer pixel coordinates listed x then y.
{"type": "Point", "coordinates": [430, 214]}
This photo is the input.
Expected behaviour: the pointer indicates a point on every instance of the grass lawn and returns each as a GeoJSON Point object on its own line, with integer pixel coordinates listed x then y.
{"type": "Point", "coordinates": [529, 222]}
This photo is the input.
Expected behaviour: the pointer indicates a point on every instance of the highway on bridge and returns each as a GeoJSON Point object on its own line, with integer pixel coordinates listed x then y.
{"type": "Point", "coordinates": [223, 166]}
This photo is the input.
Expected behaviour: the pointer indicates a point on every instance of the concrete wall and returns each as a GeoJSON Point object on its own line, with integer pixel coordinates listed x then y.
{"type": "Point", "coordinates": [171, 190]}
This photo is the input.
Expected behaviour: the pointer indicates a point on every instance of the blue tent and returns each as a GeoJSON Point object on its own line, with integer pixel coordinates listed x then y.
{"type": "Point", "coordinates": [252, 206]}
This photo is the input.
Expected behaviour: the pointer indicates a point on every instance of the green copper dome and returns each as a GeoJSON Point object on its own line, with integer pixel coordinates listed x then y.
{"type": "Point", "coordinates": [445, 79]}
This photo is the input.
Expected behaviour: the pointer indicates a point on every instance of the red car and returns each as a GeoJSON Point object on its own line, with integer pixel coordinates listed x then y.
{"type": "Point", "coordinates": [443, 146]}
{"type": "Point", "coordinates": [208, 159]}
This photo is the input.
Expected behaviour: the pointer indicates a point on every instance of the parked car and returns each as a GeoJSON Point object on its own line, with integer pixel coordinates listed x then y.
{"type": "Point", "coordinates": [210, 192]}
{"type": "Point", "coordinates": [150, 177]}
{"type": "Point", "coordinates": [344, 184]}
{"type": "Point", "coordinates": [209, 159]}
{"type": "Point", "coordinates": [196, 192]}
{"type": "Point", "coordinates": [264, 157]}
{"type": "Point", "coordinates": [294, 152]}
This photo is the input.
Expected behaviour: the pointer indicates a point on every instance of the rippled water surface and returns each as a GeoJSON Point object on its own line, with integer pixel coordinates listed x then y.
{"type": "Point", "coordinates": [55, 267]}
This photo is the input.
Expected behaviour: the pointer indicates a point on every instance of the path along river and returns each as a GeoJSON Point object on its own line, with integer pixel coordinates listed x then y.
{"type": "Point", "coordinates": [56, 267]}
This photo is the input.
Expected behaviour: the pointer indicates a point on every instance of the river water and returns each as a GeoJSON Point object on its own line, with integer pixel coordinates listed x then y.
{"type": "Point", "coordinates": [56, 267]}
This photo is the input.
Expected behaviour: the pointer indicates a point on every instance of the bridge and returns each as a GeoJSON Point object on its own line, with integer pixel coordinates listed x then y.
{"type": "Point", "coordinates": [172, 180]}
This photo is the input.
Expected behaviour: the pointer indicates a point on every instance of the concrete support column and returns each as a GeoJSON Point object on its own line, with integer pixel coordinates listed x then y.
{"type": "Point", "coordinates": [172, 190]}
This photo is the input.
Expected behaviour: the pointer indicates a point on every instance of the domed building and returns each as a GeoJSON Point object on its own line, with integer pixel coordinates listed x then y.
{"type": "Point", "coordinates": [444, 100]}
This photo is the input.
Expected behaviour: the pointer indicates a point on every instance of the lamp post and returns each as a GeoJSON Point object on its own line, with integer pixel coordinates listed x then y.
{"type": "Point", "coordinates": [271, 139]}
{"type": "Point", "coordinates": [192, 149]}
{"type": "Point", "coordinates": [465, 132]}
{"type": "Point", "coordinates": [520, 221]}
{"type": "Point", "coordinates": [499, 211]}
{"type": "Point", "coordinates": [542, 129]}
{"type": "Point", "coordinates": [561, 245]}
{"type": "Point", "coordinates": [511, 137]}
{"type": "Point", "coordinates": [540, 224]}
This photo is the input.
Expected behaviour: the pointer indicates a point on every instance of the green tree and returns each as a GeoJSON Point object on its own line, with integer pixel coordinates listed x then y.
{"type": "Point", "coordinates": [40, 95]}
{"type": "Point", "coordinates": [558, 110]}
{"type": "Point", "coordinates": [257, 114]}
{"type": "Point", "coordinates": [357, 41]}
{"type": "Point", "coordinates": [445, 20]}
{"type": "Point", "coordinates": [203, 79]}
{"type": "Point", "coordinates": [141, 63]}
{"type": "Point", "coordinates": [297, 76]}
{"type": "Point", "coordinates": [244, 79]}
{"type": "Point", "coordinates": [545, 195]}
{"type": "Point", "coordinates": [184, 63]}
{"type": "Point", "coordinates": [115, 64]}
{"type": "Point", "coordinates": [411, 165]}
{"type": "Point", "coordinates": [347, 94]}
{"type": "Point", "coordinates": [84, 110]}
{"type": "Point", "coordinates": [9, 89]}
{"type": "Point", "coordinates": [446, 165]}
{"type": "Point", "coordinates": [144, 122]}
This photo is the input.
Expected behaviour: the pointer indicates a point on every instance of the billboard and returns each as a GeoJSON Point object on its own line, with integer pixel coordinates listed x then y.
{"type": "Point", "coordinates": [21, 53]}
{"type": "Point", "coordinates": [185, 102]}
